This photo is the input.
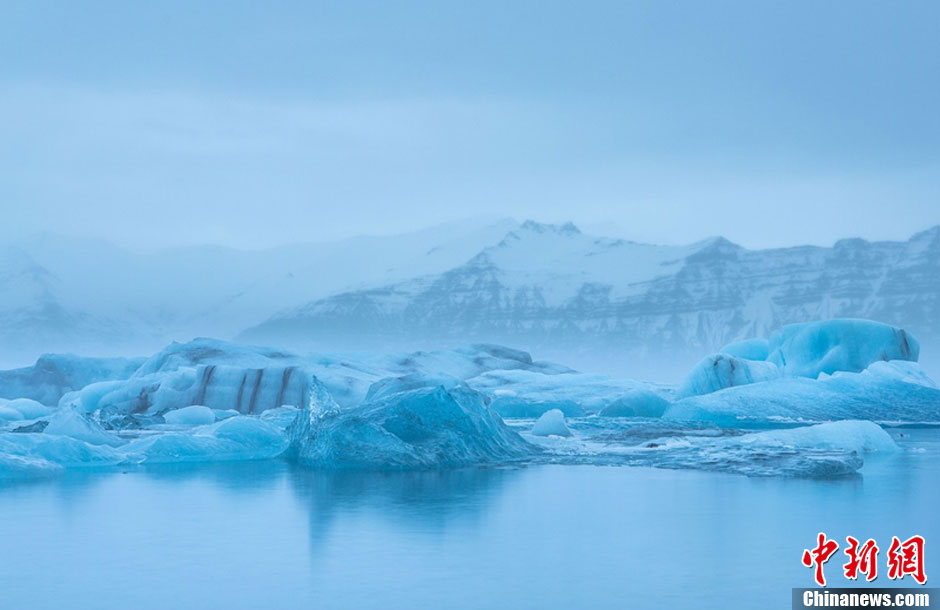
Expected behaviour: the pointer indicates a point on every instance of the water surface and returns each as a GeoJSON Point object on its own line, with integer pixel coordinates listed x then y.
{"type": "Point", "coordinates": [270, 535]}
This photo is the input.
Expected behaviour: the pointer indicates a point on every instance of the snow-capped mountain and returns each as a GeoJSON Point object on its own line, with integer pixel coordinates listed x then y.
{"type": "Point", "coordinates": [32, 311]}
{"type": "Point", "coordinates": [596, 302]}
{"type": "Point", "coordinates": [93, 297]}
{"type": "Point", "coordinates": [558, 292]}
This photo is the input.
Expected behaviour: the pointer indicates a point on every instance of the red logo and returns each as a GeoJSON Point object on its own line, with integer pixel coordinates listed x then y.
{"type": "Point", "coordinates": [903, 558]}
{"type": "Point", "coordinates": [907, 558]}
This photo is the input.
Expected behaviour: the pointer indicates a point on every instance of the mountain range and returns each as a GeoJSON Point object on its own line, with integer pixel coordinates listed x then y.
{"type": "Point", "coordinates": [598, 302]}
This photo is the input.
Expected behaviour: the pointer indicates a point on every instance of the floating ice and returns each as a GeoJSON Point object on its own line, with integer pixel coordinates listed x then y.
{"type": "Point", "coordinates": [236, 438]}
{"type": "Point", "coordinates": [531, 393]}
{"type": "Point", "coordinates": [636, 403]}
{"type": "Point", "coordinates": [395, 385]}
{"type": "Point", "coordinates": [72, 423]}
{"type": "Point", "coordinates": [720, 371]}
{"type": "Point", "coordinates": [811, 348]}
{"type": "Point", "coordinates": [794, 399]}
{"type": "Point", "coordinates": [9, 414]}
{"type": "Point", "coordinates": [195, 415]}
{"type": "Point", "coordinates": [54, 375]}
{"type": "Point", "coordinates": [13, 467]}
{"type": "Point", "coordinates": [902, 370]}
{"type": "Point", "coordinates": [63, 451]}
{"type": "Point", "coordinates": [205, 372]}
{"type": "Point", "coordinates": [26, 407]}
{"type": "Point", "coordinates": [824, 450]}
{"type": "Point", "coordinates": [749, 349]}
{"type": "Point", "coordinates": [551, 423]}
{"type": "Point", "coordinates": [424, 428]}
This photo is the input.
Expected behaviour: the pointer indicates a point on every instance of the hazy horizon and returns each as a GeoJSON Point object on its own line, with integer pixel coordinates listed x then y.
{"type": "Point", "coordinates": [611, 230]}
{"type": "Point", "coordinates": [255, 126]}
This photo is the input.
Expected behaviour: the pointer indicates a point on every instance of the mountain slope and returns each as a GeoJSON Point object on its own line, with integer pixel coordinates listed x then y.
{"type": "Point", "coordinates": [555, 291]}
{"type": "Point", "coordinates": [90, 296]}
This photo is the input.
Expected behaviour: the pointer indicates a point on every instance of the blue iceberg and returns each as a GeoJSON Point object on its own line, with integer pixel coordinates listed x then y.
{"type": "Point", "coordinates": [827, 346]}
{"type": "Point", "coordinates": [720, 371]}
{"type": "Point", "coordinates": [423, 428]}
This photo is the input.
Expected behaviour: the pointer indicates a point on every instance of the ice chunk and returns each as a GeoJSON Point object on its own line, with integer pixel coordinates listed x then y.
{"type": "Point", "coordinates": [28, 408]}
{"type": "Point", "coordinates": [9, 414]}
{"type": "Point", "coordinates": [551, 423]}
{"type": "Point", "coordinates": [823, 450]}
{"type": "Point", "coordinates": [847, 435]}
{"type": "Point", "coordinates": [519, 393]}
{"type": "Point", "coordinates": [811, 348]}
{"type": "Point", "coordinates": [282, 417]}
{"type": "Point", "coordinates": [720, 371]}
{"type": "Point", "coordinates": [428, 427]}
{"type": "Point", "coordinates": [195, 415]}
{"type": "Point", "coordinates": [636, 403]}
{"type": "Point", "coordinates": [749, 349]}
{"type": "Point", "coordinates": [394, 385]}
{"type": "Point", "coordinates": [902, 370]}
{"type": "Point", "coordinates": [236, 438]}
{"type": "Point", "coordinates": [72, 423]}
{"type": "Point", "coordinates": [54, 375]}
{"type": "Point", "coordinates": [63, 451]}
{"type": "Point", "coordinates": [845, 396]}
{"type": "Point", "coordinates": [13, 467]}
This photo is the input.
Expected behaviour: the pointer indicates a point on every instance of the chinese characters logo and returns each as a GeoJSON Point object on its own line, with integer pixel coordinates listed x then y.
{"type": "Point", "coordinates": [903, 558]}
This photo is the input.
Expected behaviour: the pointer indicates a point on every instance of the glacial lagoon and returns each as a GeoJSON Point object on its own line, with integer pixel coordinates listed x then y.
{"type": "Point", "coordinates": [269, 534]}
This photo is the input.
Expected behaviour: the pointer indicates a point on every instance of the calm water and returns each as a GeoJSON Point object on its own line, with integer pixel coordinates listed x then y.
{"type": "Point", "coordinates": [267, 535]}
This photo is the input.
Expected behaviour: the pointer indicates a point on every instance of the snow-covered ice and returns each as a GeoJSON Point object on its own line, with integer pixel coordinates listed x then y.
{"type": "Point", "coordinates": [551, 423]}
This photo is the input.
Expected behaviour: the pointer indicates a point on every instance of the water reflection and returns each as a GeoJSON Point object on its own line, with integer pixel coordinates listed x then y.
{"type": "Point", "coordinates": [431, 500]}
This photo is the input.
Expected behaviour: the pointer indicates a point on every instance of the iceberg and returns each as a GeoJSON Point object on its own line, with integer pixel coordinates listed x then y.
{"type": "Point", "coordinates": [236, 438]}
{"type": "Point", "coordinates": [395, 385]}
{"type": "Point", "coordinates": [901, 370]}
{"type": "Point", "coordinates": [70, 422]}
{"type": "Point", "coordinates": [518, 393]}
{"type": "Point", "coordinates": [827, 346]}
{"type": "Point", "coordinates": [819, 451]}
{"type": "Point", "coordinates": [636, 403]}
{"type": "Point", "coordinates": [798, 399]}
{"type": "Point", "coordinates": [551, 423]}
{"type": "Point", "coordinates": [748, 349]}
{"type": "Point", "coordinates": [51, 453]}
{"type": "Point", "coordinates": [720, 371]}
{"type": "Point", "coordinates": [423, 428]}
{"type": "Point", "coordinates": [195, 415]}
{"type": "Point", "coordinates": [204, 372]}
{"type": "Point", "coordinates": [22, 408]}
{"type": "Point", "coordinates": [54, 375]}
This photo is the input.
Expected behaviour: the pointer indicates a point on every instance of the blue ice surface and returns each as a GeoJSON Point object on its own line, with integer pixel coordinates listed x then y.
{"type": "Point", "coordinates": [827, 346]}
{"type": "Point", "coordinates": [551, 423]}
{"type": "Point", "coordinates": [54, 375]}
{"type": "Point", "coordinates": [720, 371]}
{"type": "Point", "coordinates": [422, 428]}
{"type": "Point", "coordinates": [445, 408]}
{"type": "Point", "coordinates": [789, 400]}
{"type": "Point", "coordinates": [523, 393]}
{"type": "Point", "coordinates": [640, 402]}
{"type": "Point", "coordinates": [749, 349]}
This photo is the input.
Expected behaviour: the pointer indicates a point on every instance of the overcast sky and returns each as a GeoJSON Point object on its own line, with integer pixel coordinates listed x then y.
{"type": "Point", "coordinates": [259, 123]}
